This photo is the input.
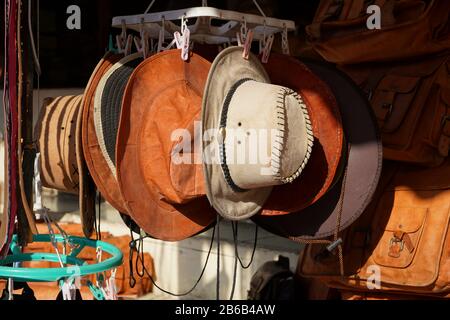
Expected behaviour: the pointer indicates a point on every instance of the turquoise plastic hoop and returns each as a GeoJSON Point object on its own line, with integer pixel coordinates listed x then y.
{"type": "Point", "coordinates": [77, 268]}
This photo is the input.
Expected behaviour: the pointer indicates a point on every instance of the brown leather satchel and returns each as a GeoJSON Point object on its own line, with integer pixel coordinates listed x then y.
{"type": "Point", "coordinates": [411, 101]}
{"type": "Point", "coordinates": [409, 28]}
{"type": "Point", "coordinates": [403, 238]}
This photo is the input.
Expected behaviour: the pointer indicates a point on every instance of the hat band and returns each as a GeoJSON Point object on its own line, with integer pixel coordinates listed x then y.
{"type": "Point", "coordinates": [223, 125]}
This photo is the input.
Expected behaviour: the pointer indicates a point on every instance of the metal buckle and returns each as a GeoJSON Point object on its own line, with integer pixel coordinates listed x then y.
{"type": "Point", "coordinates": [395, 241]}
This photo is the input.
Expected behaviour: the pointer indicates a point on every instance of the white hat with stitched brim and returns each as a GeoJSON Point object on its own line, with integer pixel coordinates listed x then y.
{"type": "Point", "coordinates": [256, 135]}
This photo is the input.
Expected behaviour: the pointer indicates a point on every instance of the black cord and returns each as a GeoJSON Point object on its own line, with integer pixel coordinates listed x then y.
{"type": "Point", "coordinates": [218, 260]}
{"type": "Point", "coordinates": [233, 287]}
{"type": "Point", "coordinates": [168, 292]}
{"type": "Point", "coordinates": [98, 223]}
{"type": "Point", "coordinates": [140, 251]}
{"type": "Point", "coordinates": [234, 225]}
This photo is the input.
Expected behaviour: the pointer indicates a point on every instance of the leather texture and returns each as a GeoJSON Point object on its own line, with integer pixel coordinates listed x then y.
{"type": "Point", "coordinates": [322, 168]}
{"type": "Point", "coordinates": [409, 29]}
{"type": "Point", "coordinates": [355, 185]}
{"type": "Point", "coordinates": [95, 161]}
{"type": "Point", "coordinates": [163, 94]}
{"type": "Point", "coordinates": [404, 232]}
{"type": "Point", "coordinates": [411, 101]}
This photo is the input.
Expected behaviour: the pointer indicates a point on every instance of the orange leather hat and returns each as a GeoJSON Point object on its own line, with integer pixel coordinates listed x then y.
{"type": "Point", "coordinates": [322, 168]}
{"type": "Point", "coordinates": [95, 160]}
{"type": "Point", "coordinates": [163, 95]}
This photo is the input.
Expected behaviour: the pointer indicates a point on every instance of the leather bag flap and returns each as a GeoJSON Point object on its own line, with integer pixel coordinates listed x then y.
{"type": "Point", "coordinates": [400, 84]}
{"type": "Point", "coordinates": [394, 252]}
{"type": "Point", "coordinates": [408, 220]}
{"type": "Point", "coordinates": [392, 100]}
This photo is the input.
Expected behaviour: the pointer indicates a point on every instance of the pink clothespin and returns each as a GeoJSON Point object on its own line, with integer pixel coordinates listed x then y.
{"type": "Point", "coordinates": [248, 44]}
{"type": "Point", "coordinates": [267, 48]}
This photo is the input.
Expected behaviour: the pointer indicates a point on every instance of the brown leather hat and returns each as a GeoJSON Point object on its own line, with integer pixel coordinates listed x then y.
{"type": "Point", "coordinates": [164, 94]}
{"type": "Point", "coordinates": [95, 160]}
{"type": "Point", "coordinates": [351, 194]}
{"type": "Point", "coordinates": [61, 165]}
{"type": "Point", "coordinates": [320, 172]}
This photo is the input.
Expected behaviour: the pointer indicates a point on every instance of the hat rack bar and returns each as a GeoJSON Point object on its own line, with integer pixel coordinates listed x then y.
{"type": "Point", "coordinates": [202, 30]}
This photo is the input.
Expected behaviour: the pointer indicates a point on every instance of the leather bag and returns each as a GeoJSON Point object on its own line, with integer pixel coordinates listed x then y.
{"type": "Point", "coordinates": [411, 101]}
{"type": "Point", "coordinates": [409, 28]}
{"type": "Point", "coordinates": [403, 237]}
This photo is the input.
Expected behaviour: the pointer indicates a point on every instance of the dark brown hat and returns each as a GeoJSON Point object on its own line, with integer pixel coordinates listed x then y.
{"type": "Point", "coordinates": [351, 194]}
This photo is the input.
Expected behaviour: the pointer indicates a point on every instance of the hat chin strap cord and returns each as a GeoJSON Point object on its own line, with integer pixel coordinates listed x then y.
{"type": "Point", "coordinates": [337, 242]}
{"type": "Point", "coordinates": [137, 245]}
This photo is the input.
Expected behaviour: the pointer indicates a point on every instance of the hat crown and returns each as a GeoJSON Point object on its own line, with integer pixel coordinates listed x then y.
{"type": "Point", "coordinates": [266, 134]}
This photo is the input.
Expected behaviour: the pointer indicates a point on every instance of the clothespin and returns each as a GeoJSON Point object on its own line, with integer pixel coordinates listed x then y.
{"type": "Point", "coordinates": [99, 276]}
{"type": "Point", "coordinates": [183, 40]}
{"type": "Point", "coordinates": [265, 45]}
{"type": "Point", "coordinates": [162, 37]}
{"type": "Point", "coordinates": [285, 42]}
{"type": "Point", "coordinates": [124, 42]}
{"type": "Point", "coordinates": [245, 39]}
{"type": "Point", "coordinates": [111, 47]}
{"type": "Point", "coordinates": [110, 290]}
{"type": "Point", "coordinates": [267, 49]}
{"type": "Point", "coordinates": [142, 42]}
{"type": "Point", "coordinates": [68, 289]}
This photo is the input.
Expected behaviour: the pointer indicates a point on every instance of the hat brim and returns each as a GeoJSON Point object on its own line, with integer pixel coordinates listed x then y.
{"type": "Point", "coordinates": [108, 104]}
{"type": "Point", "coordinates": [320, 172]}
{"type": "Point", "coordinates": [363, 167]}
{"type": "Point", "coordinates": [95, 160]}
{"type": "Point", "coordinates": [135, 170]}
{"type": "Point", "coordinates": [228, 68]}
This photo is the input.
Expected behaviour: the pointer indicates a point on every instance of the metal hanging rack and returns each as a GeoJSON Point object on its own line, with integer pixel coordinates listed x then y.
{"type": "Point", "coordinates": [209, 25]}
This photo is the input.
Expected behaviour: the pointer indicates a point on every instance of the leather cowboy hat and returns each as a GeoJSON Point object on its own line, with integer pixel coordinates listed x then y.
{"type": "Point", "coordinates": [163, 96]}
{"type": "Point", "coordinates": [353, 191]}
{"type": "Point", "coordinates": [256, 135]}
{"type": "Point", "coordinates": [108, 105]}
{"type": "Point", "coordinates": [57, 134]}
{"type": "Point", "coordinates": [95, 160]}
{"type": "Point", "coordinates": [324, 165]}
